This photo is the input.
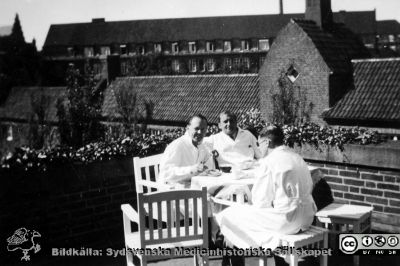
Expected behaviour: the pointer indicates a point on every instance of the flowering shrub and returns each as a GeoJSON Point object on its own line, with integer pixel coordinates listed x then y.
{"type": "Point", "coordinates": [316, 135]}
{"type": "Point", "coordinates": [251, 120]}
{"type": "Point", "coordinates": [148, 144]}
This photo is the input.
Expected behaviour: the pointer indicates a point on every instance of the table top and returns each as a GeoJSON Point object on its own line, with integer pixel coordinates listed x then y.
{"type": "Point", "coordinates": [337, 210]}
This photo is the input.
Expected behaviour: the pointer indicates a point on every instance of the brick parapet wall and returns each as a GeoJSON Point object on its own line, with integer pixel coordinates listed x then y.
{"type": "Point", "coordinates": [71, 206]}
{"type": "Point", "coordinates": [370, 186]}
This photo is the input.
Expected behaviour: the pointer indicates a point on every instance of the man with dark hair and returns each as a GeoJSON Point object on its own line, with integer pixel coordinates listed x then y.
{"type": "Point", "coordinates": [233, 144]}
{"type": "Point", "coordinates": [281, 198]}
{"type": "Point", "coordinates": [186, 156]}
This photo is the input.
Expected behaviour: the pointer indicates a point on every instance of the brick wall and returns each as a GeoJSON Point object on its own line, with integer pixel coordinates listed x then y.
{"type": "Point", "coordinates": [293, 46]}
{"type": "Point", "coordinates": [71, 206]}
{"type": "Point", "coordinates": [368, 186]}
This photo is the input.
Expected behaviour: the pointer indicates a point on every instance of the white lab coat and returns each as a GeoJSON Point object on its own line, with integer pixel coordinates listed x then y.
{"type": "Point", "coordinates": [282, 203]}
{"type": "Point", "coordinates": [234, 152]}
{"type": "Point", "coordinates": [180, 159]}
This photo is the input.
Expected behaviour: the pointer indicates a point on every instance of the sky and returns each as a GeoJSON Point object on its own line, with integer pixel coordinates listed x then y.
{"type": "Point", "coordinates": [36, 16]}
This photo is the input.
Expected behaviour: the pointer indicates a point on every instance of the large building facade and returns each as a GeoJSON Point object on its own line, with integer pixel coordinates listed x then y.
{"type": "Point", "coordinates": [207, 45]}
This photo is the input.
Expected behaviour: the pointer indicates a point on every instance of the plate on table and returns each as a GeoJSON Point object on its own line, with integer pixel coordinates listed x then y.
{"type": "Point", "coordinates": [210, 172]}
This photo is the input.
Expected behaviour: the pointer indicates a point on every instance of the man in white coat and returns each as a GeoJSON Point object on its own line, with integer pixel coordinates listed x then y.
{"type": "Point", "coordinates": [186, 156]}
{"type": "Point", "coordinates": [233, 144]}
{"type": "Point", "coordinates": [281, 198]}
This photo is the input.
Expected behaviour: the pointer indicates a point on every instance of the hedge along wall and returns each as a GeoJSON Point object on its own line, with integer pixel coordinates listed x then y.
{"type": "Point", "coordinates": [365, 175]}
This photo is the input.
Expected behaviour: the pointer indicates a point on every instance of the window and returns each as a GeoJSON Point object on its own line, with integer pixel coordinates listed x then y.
{"type": "Point", "coordinates": [192, 47]}
{"type": "Point", "coordinates": [263, 45]}
{"type": "Point", "coordinates": [105, 50]}
{"type": "Point", "coordinates": [261, 62]}
{"type": "Point", "coordinates": [292, 73]}
{"type": "Point", "coordinates": [236, 62]}
{"type": "Point", "coordinates": [122, 49]}
{"type": "Point", "coordinates": [141, 49]}
{"type": "Point", "coordinates": [175, 48]}
{"type": "Point", "coordinates": [228, 63]}
{"type": "Point", "coordinates": [246, 63]}
{"type": "Point", "coordinates": [192, 65]}
{"type": "Point", "coordinates": [202, 66]}
{"type": "Point", "coordinates": [210, 47]}
{"type": "Point", "coordinates": [88, 51]}
{"type": "Point", "coordinates": [210, 64]}
{"type": "Point", "coordinates": [157, 48]}
{"type": "Point", "coordinates": [245, 46]}
{"type": "Point", "coordinates": [175, 65]}
{"type": "Point", "coordinates": [125, 68]}
{"type": "Point", "coordinates": [70, 51]}
{"type": "Point", "coordinates": [97, 68]}
{"type": "Point", "coordinates": [10, 136]}
{"type": "Point", "coordinates": [227, 46]}
{"type": "Point", "coordinates": [391, 38]}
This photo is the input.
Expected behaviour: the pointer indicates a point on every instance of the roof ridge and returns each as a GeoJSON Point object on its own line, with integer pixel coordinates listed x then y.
{"type": "Point", "coordinates": [375, 59]}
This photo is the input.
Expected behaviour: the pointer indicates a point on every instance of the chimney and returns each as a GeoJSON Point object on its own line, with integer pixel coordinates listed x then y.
{"type": "Point", "coordinates": [319, 11]}
{"type": "Point", "coordinates": [281, 7]}
{"type": "Point", "coordinates": [98, 20]}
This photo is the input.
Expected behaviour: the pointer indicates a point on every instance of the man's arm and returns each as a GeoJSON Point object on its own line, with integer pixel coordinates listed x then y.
{"type": "Point", "coordinates": [263, 193]}
{"type": "Point", "coordinates": [171, 170]}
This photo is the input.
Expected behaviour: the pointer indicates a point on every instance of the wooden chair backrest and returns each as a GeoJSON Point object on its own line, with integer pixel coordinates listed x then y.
{"type": "Point", "coordinates": [193, 203]}
{"type": "Point", "coordinates": [146, 172]}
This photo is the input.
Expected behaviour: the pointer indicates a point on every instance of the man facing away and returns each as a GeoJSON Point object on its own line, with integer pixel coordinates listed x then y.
{"type": "Point", "coordinates": [233, 144]}
{"type": "Point", "coordinates": [281, 199]}
{"type": "Point", "coordinates": [186, 156]}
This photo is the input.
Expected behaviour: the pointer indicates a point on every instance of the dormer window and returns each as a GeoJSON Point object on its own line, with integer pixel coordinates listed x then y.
{"type": "Point", "coordinates": [157, 48]}
{"type": "Point", "coordinates": [244, 45]}
{"type": "Point", "coordinates": [192, 47]}
{"type": "Point", "coordinates": [210, 47]}
{"type": "Point", "coordinates": [263, 45]}
{"type": "Point", "coordinates": [88, 51]}
{"type": "Point", "coordinates": [227, 46]}
{"type": "Point", "coordinates": [292, 73]}
{"type": "Point", "coordinates": [175, 48]}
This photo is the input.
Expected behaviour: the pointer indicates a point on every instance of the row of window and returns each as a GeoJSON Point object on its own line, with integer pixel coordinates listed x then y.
{"type": "Point", "coordinates": [204, 65]}
{"type": "Point", "coordinates": [263, 45]}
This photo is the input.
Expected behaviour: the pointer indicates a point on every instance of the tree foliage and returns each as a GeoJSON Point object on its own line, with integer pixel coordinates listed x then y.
{"type": "Point", "coordinates": [79, 119]}
{"type": "Point", "coordinates": [289, 103]}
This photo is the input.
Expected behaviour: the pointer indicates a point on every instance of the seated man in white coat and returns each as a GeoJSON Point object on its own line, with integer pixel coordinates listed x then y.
{"type": "Point", "coordinates": [186, 156]}
{"type": "Point", "coordinates": [281, 198]}
{"type": "Point", "coordinates": [233, 144]}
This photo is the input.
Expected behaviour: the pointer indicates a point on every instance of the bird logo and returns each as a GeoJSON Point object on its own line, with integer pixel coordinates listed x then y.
{"type": "Point", "coordinates": [23, 239]}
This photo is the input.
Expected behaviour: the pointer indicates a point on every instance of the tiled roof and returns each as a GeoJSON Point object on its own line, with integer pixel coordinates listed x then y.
{"type": "Point", "coordinates": [388, 27]}
{"type": "Point", "coordinates": [337, 45]}
{"type": "Point", "coordinates": [201, 28]}
{"type": "Point", "coordinates": [376, 93]}
{"type": "Point", "coordinates": [176, 98]}
{"type": "Point", "coordinates": [18, 106]}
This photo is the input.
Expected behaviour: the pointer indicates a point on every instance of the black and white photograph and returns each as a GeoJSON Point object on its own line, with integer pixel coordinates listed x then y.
{"type": "Point", "coordinates": [211, 132]}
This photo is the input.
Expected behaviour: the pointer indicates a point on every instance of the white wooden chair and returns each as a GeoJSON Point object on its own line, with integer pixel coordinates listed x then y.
{"type": "Point", "coordinates": [146, 172]}
{"type": "Point", "coordinates": [190, 235]}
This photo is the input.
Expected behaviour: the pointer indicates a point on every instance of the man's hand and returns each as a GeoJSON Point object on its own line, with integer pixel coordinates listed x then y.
{"type": "Point", "coordinates": [201, 168]}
